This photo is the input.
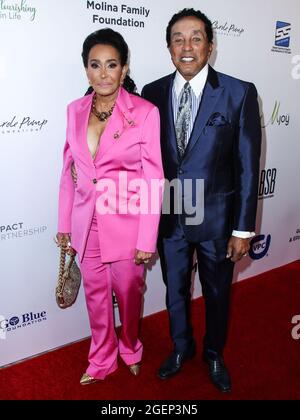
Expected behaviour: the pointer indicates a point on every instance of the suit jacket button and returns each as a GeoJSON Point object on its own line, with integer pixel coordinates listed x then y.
{"type": "Point", "coordinates": [95, 181]}
{"type": "Point", "coordinates": [180, 171]}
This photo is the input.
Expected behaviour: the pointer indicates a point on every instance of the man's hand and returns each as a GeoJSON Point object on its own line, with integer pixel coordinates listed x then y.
{"type": "Point", "coordinates": [237, 248]}
{"type": "Point", "coordinates": [142, 257]}
{"type": "Point", "coordinates": [63, 240]}
{"type": "Point", "coordinates": [74, 173]}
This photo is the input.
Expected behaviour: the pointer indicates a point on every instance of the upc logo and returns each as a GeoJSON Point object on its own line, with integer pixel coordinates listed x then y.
{"type": "Point", "coordinates": [2, 328]}
{"type": "Point", "coordinates": [282, 36]}
{"type": "Point", "coordinates": [259, 247]}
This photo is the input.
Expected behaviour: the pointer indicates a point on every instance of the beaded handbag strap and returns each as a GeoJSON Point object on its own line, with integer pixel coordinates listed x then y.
{"type": "Point", "coordinates": [62, 262]}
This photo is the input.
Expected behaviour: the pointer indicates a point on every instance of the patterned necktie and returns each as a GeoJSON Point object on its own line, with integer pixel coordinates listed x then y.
{"type": "Point", "coordinates": [183, 119]}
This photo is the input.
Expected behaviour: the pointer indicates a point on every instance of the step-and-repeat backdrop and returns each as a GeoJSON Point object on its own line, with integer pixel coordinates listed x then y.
{"type": "Point", "coordinates": [41, 72]}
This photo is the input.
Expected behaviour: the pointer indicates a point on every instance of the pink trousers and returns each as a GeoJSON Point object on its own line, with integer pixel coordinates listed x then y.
{"type": "Point", "coordinates": [125, 279]}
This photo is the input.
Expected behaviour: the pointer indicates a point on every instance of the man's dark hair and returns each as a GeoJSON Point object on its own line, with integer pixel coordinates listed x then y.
{"type": "Point", "coordinates": [187, 13]}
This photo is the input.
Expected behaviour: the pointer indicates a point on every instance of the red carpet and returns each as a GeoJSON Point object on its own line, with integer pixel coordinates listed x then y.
{"type": "Point", "coordinates": [262, 356]}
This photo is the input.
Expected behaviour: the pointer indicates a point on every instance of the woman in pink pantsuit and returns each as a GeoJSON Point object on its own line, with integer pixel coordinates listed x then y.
{"type": "Point", "coordinates": [113, 140]}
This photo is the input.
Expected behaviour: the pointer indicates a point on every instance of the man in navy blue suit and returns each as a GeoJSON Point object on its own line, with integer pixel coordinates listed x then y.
{"type": "Point", "coordinates": [210, 131]}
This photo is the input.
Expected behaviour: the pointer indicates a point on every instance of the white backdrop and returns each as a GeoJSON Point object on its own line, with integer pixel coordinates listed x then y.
{"type": "Point", "coordinates": [41, 71]}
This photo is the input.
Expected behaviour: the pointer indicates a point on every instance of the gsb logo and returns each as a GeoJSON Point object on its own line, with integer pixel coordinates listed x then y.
{"type": "Point", "coordinates": [259, 247]}
{"type": "Point", "coordinates": [267, 183]}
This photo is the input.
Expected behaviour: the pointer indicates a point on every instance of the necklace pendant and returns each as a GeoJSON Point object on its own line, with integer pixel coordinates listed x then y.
{"type": "Point", "coordinates": [103, 116]}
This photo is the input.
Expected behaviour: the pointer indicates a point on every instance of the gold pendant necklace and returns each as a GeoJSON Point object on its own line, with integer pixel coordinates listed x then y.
{"type": "Point", "coordinates": [102, 116]}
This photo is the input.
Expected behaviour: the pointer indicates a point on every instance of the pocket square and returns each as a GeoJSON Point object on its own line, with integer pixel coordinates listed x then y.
{"type": "Point", "coordinates": [217, 119]}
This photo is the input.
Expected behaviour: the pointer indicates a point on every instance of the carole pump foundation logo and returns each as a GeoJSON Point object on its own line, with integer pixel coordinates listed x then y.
{"type": "Point", "coordinates": [15, 125]}
{"type": "Point", "coordinates": [17, 10]}
{"type": "Point", "coordinates": [227, 29]}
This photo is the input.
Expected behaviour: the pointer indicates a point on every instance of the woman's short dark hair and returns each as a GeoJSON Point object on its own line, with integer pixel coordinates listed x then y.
{"type": "Point", "coordinates": [110, 37]}
{"type": "Point", "coordinates": [187, 13]}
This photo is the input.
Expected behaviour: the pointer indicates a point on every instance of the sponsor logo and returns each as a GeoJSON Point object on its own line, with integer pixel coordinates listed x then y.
{"type": "Point", "coordinates": [277, 117]}
{"type": "Point", "coordinates": [14, 323]}
{"type": "Point", "coordinates": [295, 237]}
{"type": "Point", "coordinates": [282, 37]}
{"type": "Point", "coordinates": [296, 329]}
{"type": "Point", "coordinates": [17, 231]}
{"type": "Point", "coordinates": [17, 10]}
{"type": "Point", "coordinates": [267, 183]}
{"type": "Point", "coordinates": [117, 15]}
{"type": "Point", "coordinates": [26, 124]}
{"type": "Point", "coordinates": [259, 247]}
{"type": "Point", "coordinates": [227, 29]}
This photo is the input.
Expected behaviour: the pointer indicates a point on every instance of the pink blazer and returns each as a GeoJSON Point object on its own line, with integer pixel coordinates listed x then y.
{"type": "Point", "coordinates": [130, 145]}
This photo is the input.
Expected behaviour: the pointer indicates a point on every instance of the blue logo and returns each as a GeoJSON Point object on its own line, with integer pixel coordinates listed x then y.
{"type": "Point", "coordinates": [282, 36]}
{"type": "Point", "coordinates": [14, 321]}
{"type": "Point", "coordinates": [259, 247]}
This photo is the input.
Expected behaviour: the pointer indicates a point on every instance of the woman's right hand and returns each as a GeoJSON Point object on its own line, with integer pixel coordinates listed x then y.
{"type": "Point", "coordinates": [64, 240]}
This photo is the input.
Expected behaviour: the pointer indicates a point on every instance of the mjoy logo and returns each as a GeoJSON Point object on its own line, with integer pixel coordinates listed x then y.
{"type": "Point", "coordinates": [277, 117]}
{"type": "Point", "coordinates": [259, 246]}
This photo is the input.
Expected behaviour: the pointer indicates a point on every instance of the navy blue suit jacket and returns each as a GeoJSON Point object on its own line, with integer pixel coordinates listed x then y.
{"type": "Point", "coordinates": [223, 150]}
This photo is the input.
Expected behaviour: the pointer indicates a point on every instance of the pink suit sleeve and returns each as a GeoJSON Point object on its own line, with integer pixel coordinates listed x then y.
{"type": "Point", "coordinates": [66, 188]}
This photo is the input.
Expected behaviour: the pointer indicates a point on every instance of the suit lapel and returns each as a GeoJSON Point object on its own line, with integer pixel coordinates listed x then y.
{"type": "Point", "coordinates": [118, 122]}
{"type": "Point", "coordinates": [210, 97]}
{"type": "Point", "coordinates": [82, 119]}
{"type": "Point", "coordinates": [171, 134]}
{"type": "Point", "coordinates": [121, 119]}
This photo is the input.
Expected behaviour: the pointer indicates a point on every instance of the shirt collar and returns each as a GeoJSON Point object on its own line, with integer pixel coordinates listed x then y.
{"type": "Point", "coordinates": [197, 82]}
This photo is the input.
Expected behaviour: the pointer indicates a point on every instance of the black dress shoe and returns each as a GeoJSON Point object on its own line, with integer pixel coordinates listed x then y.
{"type": "Point", "coordinates": [219, 374]}
{"type": "Point", "coordinates": [174, 362]}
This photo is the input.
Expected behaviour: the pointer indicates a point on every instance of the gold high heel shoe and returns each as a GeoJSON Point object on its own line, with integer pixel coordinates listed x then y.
{"type": "Point", "coordinates": [86, 379]}
{"type": "Point", "coordinates": [135, 369]}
